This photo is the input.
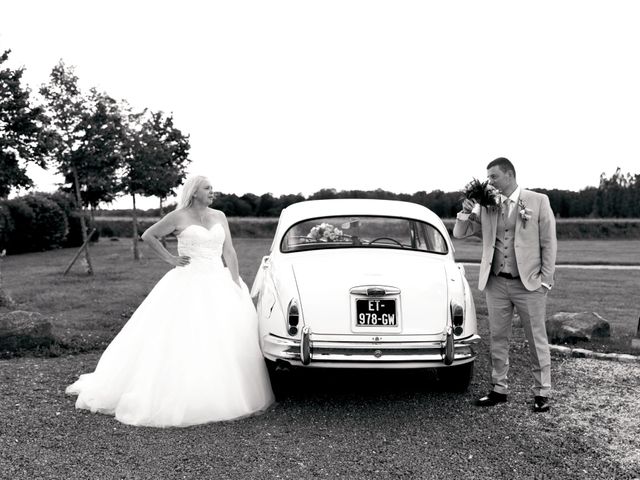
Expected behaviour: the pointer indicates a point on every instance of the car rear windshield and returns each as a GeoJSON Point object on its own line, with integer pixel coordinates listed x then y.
{"type": "Point", "coordinates": [363, 232]}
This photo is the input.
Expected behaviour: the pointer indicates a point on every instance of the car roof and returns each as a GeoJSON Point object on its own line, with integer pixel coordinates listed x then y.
{"type": "Point", "coordinates": [308, 209]}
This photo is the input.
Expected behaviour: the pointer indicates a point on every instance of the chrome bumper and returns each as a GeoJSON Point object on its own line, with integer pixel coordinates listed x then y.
{"type": "Point", "coordinates": [327, 354]}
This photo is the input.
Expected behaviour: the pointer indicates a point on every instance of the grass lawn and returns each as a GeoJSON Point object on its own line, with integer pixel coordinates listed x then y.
{"type": "Point", "coordinates": [88, 311]}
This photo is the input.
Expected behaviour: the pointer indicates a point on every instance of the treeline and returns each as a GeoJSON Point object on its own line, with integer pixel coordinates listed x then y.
{"type": "Point", "coordinates": [617, 196]}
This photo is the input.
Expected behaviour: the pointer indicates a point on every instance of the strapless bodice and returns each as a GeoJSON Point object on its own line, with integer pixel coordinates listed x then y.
{"type": "Point", "coordinates": [200, 244]}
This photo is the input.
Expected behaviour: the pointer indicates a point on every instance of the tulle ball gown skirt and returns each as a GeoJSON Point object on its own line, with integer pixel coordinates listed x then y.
{"type": "Point", "coordinates": [188, 355]}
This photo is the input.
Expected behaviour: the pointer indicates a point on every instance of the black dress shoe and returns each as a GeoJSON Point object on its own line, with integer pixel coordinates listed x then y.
{"type": "Point", "coordinates": [492, 399]}
{"type": "Point", "coordinates": [541, 404]}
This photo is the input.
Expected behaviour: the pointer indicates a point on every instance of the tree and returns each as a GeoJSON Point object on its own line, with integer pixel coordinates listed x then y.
{"type": "Point", "coordinates": [610, 194]}
{"type": "Point", "coordinates": [23, 134]}
{"type": "Point", "coordinates": [98, 157]}
{"type": "Point", "coordinates": [166, 150]}
{"type": "Point", "coordinates": [67, 108]}
{"type": "Point", "coordinates": [155, 160]}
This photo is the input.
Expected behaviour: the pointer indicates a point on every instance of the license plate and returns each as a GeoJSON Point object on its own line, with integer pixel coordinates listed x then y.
{"type": "Point", "coordinates": [376, 313]}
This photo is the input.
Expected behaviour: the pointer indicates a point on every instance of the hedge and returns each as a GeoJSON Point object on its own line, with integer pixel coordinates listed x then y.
{"type": "Point", "coordinates": [39, 221]}
{"type": "Point", "coordinates": [583, 229]}
{"type": "Point", "coordinates": [252, 227]}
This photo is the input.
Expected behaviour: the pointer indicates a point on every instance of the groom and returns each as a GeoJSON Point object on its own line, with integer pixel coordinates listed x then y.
{"type": "Point", "coordinates": [517, 270]}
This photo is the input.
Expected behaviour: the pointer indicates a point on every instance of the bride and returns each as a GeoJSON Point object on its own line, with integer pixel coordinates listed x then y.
{"type": "Point", "coordinates": [190, 352]}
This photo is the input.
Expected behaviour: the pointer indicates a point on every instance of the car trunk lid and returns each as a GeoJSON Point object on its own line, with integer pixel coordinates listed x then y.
{"type": "Point", "coordinates": [326, 281]}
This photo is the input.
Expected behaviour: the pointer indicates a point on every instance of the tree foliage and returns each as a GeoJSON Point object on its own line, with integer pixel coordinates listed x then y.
{"type": "Point", "coordinates": [156, 157]}
{"type": "Point", "coordinates": [66, 107]}
{"type": "Point", "coordinates": [163, 151]}
{"type": "Point", "coordinates": [618, 195]}
{"type": "Point", "coordinates": [23, 133]}
{"type": "Point", "coordinates": [98, 156]}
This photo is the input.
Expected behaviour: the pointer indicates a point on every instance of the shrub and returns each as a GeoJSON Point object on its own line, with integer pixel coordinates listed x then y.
{"type": "Point", "coordinates": [65, 201]}
{"type": "Point", "coordinates": [23, 219]}
{"type": "Point", "coordinates": [50, 225]}
{"type": "Point", "coordinates": [6, 226]}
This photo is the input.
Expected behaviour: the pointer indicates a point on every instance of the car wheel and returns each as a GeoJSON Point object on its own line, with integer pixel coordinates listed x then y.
{"type": "Point", "coordinates": [456, 378]}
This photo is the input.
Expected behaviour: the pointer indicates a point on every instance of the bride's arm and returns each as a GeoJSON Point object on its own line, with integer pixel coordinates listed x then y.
{"type": "Point", "coordinates": [228, 252]}
{"type": "Point", "coordinates": [155, 232]}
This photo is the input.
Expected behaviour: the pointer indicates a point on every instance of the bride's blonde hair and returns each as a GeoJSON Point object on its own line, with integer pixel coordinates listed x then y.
{"type": "Point", "coordinates": [188, 189]}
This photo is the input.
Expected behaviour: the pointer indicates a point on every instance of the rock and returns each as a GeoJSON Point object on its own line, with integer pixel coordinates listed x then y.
{"type": "Point", "coordinates": [560, 351]}
{"type": "Point", "coordinates": [22, 330]}
{"type": "Point", "coordinates": [566, 327]}
{"type": "Point", "coordinates": [581, 353]}
{"type": "Point", "coordinates": [626, 358]}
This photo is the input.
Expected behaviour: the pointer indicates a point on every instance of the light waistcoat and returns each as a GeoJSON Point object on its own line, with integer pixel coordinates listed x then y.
{"type": "Point", "coordinates": [504, 254]}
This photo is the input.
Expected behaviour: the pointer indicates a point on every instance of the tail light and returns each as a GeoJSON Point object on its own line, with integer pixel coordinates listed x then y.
{"type": "Point", "coordinates": [293, 318]}
{"type": "Point", "coordinates": [457, 318]}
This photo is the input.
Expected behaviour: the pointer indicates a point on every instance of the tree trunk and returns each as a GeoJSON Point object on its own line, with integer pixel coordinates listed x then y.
{"type": "Point", "coordinates": [83, 223]}
{"type": "Point", "coordinates": [134, 217]}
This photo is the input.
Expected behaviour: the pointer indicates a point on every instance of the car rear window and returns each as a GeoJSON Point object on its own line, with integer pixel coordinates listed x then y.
{"type": "Point", "coordinates": [363, 232]}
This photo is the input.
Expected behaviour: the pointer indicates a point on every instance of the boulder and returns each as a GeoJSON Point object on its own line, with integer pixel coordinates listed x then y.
{"type": "Point", "coordinates": [22, 330]}
{"type": "Point", "coordinates": [566, 327]}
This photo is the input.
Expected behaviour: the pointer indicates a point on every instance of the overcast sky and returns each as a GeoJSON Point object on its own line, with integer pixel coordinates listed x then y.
{"type": "Point", "coordinates": [295, 96]}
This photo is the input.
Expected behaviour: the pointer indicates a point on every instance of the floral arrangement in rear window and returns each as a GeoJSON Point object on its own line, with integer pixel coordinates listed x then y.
{"type": "Point", "coordinates": [325, 232]}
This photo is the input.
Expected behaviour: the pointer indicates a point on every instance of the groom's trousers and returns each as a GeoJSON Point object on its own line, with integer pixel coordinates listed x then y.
{"type": "Point", "coordinates": [502, 296]}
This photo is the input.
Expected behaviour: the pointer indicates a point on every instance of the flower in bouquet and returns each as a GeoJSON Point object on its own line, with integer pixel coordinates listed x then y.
{"type": "Point", "coordinates": [482, 192]}
{"type": "Point", "coordinates": [325, 232]}
{"type": "Point", "coordinates": [524, 212]}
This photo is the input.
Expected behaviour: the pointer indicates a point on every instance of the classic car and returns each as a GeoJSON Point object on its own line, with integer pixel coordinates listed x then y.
{"type": "Point", "coordinates": [361, 283]}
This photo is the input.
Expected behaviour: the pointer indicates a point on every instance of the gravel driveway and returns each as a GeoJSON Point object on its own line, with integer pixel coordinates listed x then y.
{"type": "Point", "coordinates": [351, 425]}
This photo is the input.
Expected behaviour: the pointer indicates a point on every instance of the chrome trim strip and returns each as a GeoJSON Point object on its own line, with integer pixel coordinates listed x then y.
{"type": "Point", "coordinates": [363, 290]}
{"type": "Point", "coordinates": [309, 352]}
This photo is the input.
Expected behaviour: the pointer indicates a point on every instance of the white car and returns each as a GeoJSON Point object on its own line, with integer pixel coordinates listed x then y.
{"type": "Point", "coordinates": [359, 283]}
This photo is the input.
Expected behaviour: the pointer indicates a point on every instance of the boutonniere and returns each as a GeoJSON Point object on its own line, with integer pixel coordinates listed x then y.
{"type": "Point", "coordinates": [525, 213]}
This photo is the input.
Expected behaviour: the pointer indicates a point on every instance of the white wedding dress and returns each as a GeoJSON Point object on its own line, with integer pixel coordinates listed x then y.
{"type": "Point", "coordinates": [190, 352]}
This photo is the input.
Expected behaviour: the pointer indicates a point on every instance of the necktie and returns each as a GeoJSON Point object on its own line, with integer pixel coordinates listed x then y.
{"type": "Point", "coordinates": [506, 203]}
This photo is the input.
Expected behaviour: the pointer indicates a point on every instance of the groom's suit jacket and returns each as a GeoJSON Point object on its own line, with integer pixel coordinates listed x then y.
{"type": "Point", "coordinates": [535, 240]}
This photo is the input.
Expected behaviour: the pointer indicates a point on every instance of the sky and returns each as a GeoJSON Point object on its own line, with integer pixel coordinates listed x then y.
{"type": "Point", "coordinates": [294, 96]}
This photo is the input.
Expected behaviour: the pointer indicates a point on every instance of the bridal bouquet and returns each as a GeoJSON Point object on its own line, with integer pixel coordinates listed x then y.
{"type": "Point", "coordinates": [482, 192]}
{"type": "Point", "coordinates": [325, 232]}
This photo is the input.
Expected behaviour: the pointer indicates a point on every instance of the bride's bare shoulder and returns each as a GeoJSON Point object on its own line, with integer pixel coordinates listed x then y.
{"type": "Point", "coordinates": [218, 214]}
{"type": "Point", "coordinates": [176, 215]}
{"type": "Point", "coordinates": [179, 219]}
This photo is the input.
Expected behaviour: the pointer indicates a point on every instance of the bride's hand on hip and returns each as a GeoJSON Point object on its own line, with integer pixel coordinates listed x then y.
{"type": "Point", "coordinates": [179, 261]}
